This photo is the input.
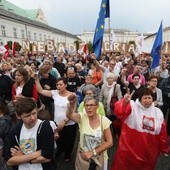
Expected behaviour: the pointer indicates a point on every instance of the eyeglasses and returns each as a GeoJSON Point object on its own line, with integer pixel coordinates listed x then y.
{"type": "Point", "coordinates": [89, 94]}
{"type": "Point", "coordinates": [90, 105]}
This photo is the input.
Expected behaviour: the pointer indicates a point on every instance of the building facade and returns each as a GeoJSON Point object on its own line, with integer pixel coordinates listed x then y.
{"type": "Point", "coordinates": [19, 25]}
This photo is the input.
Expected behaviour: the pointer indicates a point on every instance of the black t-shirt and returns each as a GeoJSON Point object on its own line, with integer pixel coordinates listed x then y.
{"type": "Point", "coordinates": [137, 90]}
{"type": "Point", "coordinates": [73, 83]}
{"type": "Point", "coordinates": [60, 67]}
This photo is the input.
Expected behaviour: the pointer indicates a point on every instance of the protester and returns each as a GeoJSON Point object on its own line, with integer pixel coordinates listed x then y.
{"type": "Point", "coordinates": [95, 133]}
{"type": "Point", "coordinates": [73, 81]}
{"type": "Point", "coordinates": [143, 134]}
{"type": "Point", "coordinates": [135, 86]}
{"type": "Point", "coordinates": [165, 87]}
{"type": "Point", "coordinates": [137, 70]}
{"type": "Point", "coordinates": [90, 90]}
{"type": "Point", "coordinates": [107, 92]}
{"type": "Point", "coordinates": [28, 144]}
{"type": "Point", "coordinates": [152, 84]}
{"type": "Point", "coordinates": [66, 128]}
{"type": "Point", "coordinates": [24, 86]}
{"type": "Point", "coordinates": [48, 82]}
{"type": "Point", "coordinates": [5, 126]}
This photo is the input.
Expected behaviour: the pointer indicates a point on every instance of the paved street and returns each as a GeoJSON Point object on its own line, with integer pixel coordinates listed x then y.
{"type": "Point", "coordinates": [162, 164]}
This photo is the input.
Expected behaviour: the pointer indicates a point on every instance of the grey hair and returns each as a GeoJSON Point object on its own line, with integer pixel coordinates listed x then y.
{"type": "Point", "coordinates": [87, 98]}
{"type": "Point", "coordinates": [90, 87]}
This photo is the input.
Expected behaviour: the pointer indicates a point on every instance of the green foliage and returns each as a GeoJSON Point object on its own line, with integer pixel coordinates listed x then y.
{"type": "Point", "coordinates": [89, 45]}
{"type": "Point", "coordinates": [77, 42]}
{"type": "Point", "coordinates": [9, 44]}
{"type": "Point", "coordinates": [18, 47]}
{"type": "Point", "coordinates": [131, 42]}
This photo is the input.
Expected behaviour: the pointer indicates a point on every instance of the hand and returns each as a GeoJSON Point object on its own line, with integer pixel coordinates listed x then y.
{"type": "Point", "coordinates": [126, 83]}
{"type": "Point", "coordinates": [124, 72]}
{"type": "Point", "coordinates": [60, 126]}
{"type": "Point", "coordinates": [72, 99]}
{"type": "Point", "coordinates": [35, 76]}
{"type": "Point", "coordinates": [87, 155]}
{"type": "Point", "coordinates": [93, 57]}
{"type": "Point", "coordinates": [56, 135]}
{"type": "Point", "coordinates": [128, 96]}
{"type": "Point", "coordinates": [46, 87]}
{"type": "Point", "coordinates": [15, 151]}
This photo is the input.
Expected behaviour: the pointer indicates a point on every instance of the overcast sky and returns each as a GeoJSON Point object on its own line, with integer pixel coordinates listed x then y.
{"type": "Point", "coordinates": [76, 16]}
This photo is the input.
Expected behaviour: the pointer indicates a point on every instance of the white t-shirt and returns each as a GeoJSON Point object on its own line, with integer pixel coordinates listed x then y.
{"type": "Point", "coordinates": [60, 106]}
{"type": "Point", "coordinates": [18, 90]}
{"type": "Point", "coordinates": [28, 144]}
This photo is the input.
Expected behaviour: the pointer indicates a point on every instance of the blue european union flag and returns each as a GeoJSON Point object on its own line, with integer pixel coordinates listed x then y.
{"type": "Point", "coordinates": [99, 31]}
{"type": "Point", "coordinates": [156, 49]}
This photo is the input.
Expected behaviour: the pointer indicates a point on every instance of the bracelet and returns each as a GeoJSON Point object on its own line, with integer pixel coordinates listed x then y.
{"type": "Point", "coordinates": [94, 152]}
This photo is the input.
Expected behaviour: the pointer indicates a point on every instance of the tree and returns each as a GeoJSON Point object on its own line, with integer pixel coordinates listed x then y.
{"type": "Point", "coordinates": [89, 45]}
{"type": "Point", "coordinates": [131, 42]}
{"type": "Point", "coordinates": [9, 44]}
{"type": "Point", "coordinates": [77, 42]}
{"type": "Point", "coordinates": [18, 47]}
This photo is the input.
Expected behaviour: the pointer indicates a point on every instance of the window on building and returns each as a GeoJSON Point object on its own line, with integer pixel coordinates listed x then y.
{"type": "Point", "coordinates": [40, 37]}
{"type": "Point", "coordinates": [44, 37]}
{"type": "Point", "coordinates": [29, 35]}
{"type": "Point", "coordinates": [35, 36]}
{"type": "Point", "coordinates": [22, 34]}
{"type": "Point", "coordinates": [1, 42]}
{"type": "Point", "coordinates": [3, 30]}
{"type": "Point", "coordinates": [15, 32]}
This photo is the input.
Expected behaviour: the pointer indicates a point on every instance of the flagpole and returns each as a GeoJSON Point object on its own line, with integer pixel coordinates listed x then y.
{"type": "Point", "coordinates": [109, 32]}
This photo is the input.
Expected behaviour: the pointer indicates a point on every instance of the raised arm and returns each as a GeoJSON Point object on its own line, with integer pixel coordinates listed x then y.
{"type": "Point", "coordinates": [98, 65]}
{"type": "Point", "coordinates": [70, 113]}
{"type": "Point", "coordinates": [40, 90]}
{"type": "Point", "coordinates": [123, 107]}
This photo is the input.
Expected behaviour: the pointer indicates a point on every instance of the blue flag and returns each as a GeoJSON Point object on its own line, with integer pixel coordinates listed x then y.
{"type": "Point", "coordinates": [156, 49]}
{"type": "Point", "coordinates": [99, 31]}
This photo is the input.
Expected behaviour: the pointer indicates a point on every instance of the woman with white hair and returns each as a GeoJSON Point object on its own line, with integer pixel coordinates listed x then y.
{"type": "Point", "coordinates": [106, 93]}
{"type": "Point", "coordinates": [90, 90]}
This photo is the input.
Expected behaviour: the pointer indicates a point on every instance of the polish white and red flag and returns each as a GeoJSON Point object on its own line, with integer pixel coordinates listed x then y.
{"type": "Point", "coordinates": [85, 49]}
{"type": "Point", "coordinates": [5, 51]}
{"type": "Point", "coordinates": [14, 49]}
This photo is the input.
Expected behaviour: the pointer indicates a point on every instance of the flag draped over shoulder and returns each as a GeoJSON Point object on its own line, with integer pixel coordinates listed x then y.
{"type": "Point", "coordinates": [99, 31]}
{"type": "Point", "coordinates": [156, 49]}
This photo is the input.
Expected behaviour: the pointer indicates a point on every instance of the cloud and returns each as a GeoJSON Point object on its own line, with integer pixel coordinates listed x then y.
{"type": "Point", "coordinates": [77, 15]}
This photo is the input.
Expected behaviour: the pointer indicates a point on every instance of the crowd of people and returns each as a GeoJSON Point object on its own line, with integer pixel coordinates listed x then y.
{"type": "Point", "coordinates": [45, 98]}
